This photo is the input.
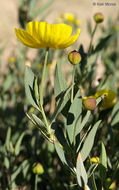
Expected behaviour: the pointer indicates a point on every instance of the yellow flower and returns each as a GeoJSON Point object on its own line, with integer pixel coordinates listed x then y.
{"type": "Point", "coordinates": [95, 160]}
{"type": "Point", "coordinates": [68, 17]}
{"type": "Point", "coordinates": [78, 22]}
{"type": "Point", "coordinates": [109, 100]}
{"type": "Point", "coordinates": [44, 35]}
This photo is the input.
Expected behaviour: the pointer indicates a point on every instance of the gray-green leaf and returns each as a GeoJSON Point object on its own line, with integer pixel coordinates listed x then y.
{"type": "Point", "coordinates": [18, 144]}
{"type": "Point", "coordinates": [88, 144]}
{"type": "Point", "coordinates": [29, 86]}
{"type": "Point", "coordinates": [73, 115]}
{"type": "Point", "coordinates": [81, 172]}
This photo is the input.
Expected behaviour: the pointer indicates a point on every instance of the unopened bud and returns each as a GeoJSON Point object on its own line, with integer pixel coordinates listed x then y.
{"type": "Point", "coordinates": [89, 103]}
{"type": "Point", "coordinates": [95, 160]}
{"type": "Point", "coordinates": [74, 57]}
{"type": "Point", "coordinates": [98, 18]}
{"type": "Point", "coordinates": [37, 168]}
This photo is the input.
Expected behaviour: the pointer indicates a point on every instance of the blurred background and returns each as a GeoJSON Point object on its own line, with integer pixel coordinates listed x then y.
{"type": "Point", "coordinates": [83, 9]}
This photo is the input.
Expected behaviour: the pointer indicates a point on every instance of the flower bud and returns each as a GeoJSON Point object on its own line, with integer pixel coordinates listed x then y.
{"type": "Point", "coordinates": [89, 103]}
{"type": "Point", "coordinates": [74, 57]}
{"type": "Point", "coordinates": [95, 160]}
{"type": "Point", "coordinates": [37, 168]}
{"type": "Point", "coordinates": [98, 18]}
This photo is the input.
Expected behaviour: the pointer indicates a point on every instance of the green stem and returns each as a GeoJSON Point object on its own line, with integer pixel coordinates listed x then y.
{"type": "Point", "coordinates": [72, 90]}
{"type": "Point", "coordinates": [92, 36]}
{"type": "Point", "coordinates": [45, 119]}
{"type": "Point", "coordinates": [93, 182]}
{"type": "Point", "coordinates": [93, 178]}
{"type": "Point", "coordinates": [36, 181]}
{"type": "Point", "coordinates": [41, 90]}
{"type": "Point", "coordinates": [43, 76]}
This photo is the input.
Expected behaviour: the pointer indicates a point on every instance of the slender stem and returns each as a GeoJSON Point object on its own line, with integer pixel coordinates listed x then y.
{"type": "Point", "coordinates": [93, 182]}
{"type": "Point", "coordinates": [36, 181]}
{"type": "Point", "coordinates": [72, 90]}
{"type": "Point", "coordinates": [93, 178]}
{"type": "Point", "coordinates": [93, 170]}
{"type": "Point", "coordinates": [43, 76]}
{"type": "Point", "coordinates": [45, 119]}
{"type": "Point", "coordinates": [41, 91]}
{"type": "Point", "coordinates": [92, 36]}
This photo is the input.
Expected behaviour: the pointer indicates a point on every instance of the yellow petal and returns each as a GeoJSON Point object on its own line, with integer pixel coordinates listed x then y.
{"type": "Point", "coordinates": [26, 38]}
{"type": "Point", "coordinates": [40, 35]}
{"type": "Point", "coordinates": [32, 28]}
{"type": "Point", "coordinates": [108, 93]}
{"type": "Point", "coordinates": [61, 33]}
{"type": "Point", "coordinates": [50, 35]}
{"type": "Point", "coordinates": [71, 40]}
{"type": "Point", "coordinates": [37, 30]}
{"type": "Point", "coordinates": [94, 159]}
{"type": "Point", "coordinates": [109, 99]}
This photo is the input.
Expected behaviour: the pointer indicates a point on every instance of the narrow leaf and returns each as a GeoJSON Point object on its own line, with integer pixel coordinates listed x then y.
{"type": "Point", "coordinates": [36, 89]}
{"type": "Point", "coordinates": [29, 86]}
{"type": "Point", "coordinates": [81, 172]}
{"type": "Point", "coordinates": [60, 152]}
{"type": "Point", "coordinates": [18, 170]}
{"type": "Point", "coordinates": [7, 142]}
{"type": "Point", "coordinates": [103, 157]}
{"type": "Point", "coordinates": [73, 115]}
{"type": "Point", "coordinates": [40, 124]}
{"type": "Point", "coordinates": [6, 162]}
{"type": "Point", "coordinates": [60, 134]}
{"type": "Point", "coordinates": [88, 144]}
{"type": "Point", "coordinates": [102, 43]}
{"type": "Point", "coordinates": [62, 156]}
{"type": "Point", "coordinates": [84, 121]}
{"type": "Point", "coordinates": [60, 84]}
{"type": "Point", "coordinates": [62, 100]}
{"type": "Point", "coordinates": [115, 114]}
{"type": "Point", "coordinates": [103, 163]}
{"type": "Point", "coordinates": [18, 144]}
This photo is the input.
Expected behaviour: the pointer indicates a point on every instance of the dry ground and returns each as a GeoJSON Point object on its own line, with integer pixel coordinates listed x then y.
{"type": "Point", "coordinates": [83, 9]}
